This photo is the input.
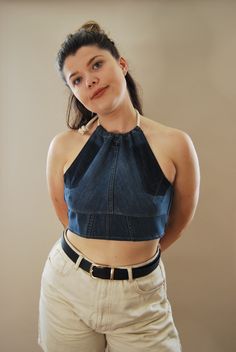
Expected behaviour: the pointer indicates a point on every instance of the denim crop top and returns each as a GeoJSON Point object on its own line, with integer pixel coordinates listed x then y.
{"type": "Point", "coordinates": [115, 188]}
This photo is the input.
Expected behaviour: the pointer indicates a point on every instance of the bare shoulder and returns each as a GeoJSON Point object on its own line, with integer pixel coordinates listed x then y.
{"type": "Point", "coordinates": [65, 137]}
{"type": "Point", "coordinates": [63, 142]}
{"type": "Point", "coordinates": [172, 139]}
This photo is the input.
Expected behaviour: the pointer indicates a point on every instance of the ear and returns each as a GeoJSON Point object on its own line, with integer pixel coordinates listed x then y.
{"type": "Point", "coordinates": [123, 64]}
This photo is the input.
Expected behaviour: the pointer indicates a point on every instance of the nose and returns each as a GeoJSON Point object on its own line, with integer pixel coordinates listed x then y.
{"type": "Point", "coordinates": [91, 81]}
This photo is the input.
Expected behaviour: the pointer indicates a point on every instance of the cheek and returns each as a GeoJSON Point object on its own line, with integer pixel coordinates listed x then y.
{"type": "Point", "coordinates": [120, 81]}
{"type": "Point", "coordinates": [80, 96]}
{"type": "Point", "coordinates": [84, 100]}
{"type": "Point", "coordinates": [123, 85]}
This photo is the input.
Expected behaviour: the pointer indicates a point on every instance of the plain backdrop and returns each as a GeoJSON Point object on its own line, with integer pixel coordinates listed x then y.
{"type": "Point", "coordinates": [183, 55]}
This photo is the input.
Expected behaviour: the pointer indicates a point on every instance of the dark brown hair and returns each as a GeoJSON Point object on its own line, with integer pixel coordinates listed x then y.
{"type": "Point", "coordinates": [90, 34]}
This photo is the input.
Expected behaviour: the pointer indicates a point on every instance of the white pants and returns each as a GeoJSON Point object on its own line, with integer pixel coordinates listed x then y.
{"type": "Point", "coordinates": [78, 313]}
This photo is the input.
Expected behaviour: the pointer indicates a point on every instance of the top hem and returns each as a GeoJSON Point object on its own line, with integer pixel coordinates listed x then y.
{"type": "Point", "coordinates": [115, 238]}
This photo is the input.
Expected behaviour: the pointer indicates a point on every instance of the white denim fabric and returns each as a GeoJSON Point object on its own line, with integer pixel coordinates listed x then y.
{"type": "Point", "coordinates": [78, 313]}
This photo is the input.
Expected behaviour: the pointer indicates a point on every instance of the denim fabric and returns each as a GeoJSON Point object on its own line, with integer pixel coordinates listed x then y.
{"type": "Point", "coordinates": [115, 189]}
{"type": "Point", "coordinates": [78, 313]}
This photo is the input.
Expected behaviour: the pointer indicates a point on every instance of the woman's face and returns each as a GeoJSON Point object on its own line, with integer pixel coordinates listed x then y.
{"type": "Point", "coordinates": [91, 69]}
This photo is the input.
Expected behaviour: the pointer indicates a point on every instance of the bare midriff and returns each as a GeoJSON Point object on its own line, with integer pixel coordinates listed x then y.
{"type": "Point", "coordinates": [113, 253]}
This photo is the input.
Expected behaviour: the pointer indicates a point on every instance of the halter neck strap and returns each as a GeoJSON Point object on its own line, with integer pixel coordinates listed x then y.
{"type": "Point", "coordinates": [83, 129]}
{"type": "Point", "coordinates": [137, 119]}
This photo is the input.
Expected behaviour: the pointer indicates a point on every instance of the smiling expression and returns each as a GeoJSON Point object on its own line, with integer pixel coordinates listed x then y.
{"type": "Point", "coordinates": [92, 69]}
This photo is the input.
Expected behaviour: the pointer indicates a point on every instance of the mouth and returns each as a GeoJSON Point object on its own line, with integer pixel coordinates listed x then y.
{"type": "Point", "coordinates": [99, 93]}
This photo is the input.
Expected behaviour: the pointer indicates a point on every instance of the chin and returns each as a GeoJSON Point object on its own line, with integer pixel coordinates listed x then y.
{"type": "Point", "coordinates": [103, 110]}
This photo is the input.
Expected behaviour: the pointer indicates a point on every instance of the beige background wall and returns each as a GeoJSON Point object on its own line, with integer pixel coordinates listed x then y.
{"type": "Point", "coordinates": [183, 54]}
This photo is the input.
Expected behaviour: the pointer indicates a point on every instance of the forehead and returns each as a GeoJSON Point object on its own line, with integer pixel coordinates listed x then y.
{"type": "Point", "coordinates": [78, 61]}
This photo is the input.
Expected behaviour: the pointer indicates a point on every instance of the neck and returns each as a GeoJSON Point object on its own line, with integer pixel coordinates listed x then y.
{"type": "Point", "coordinates": [119, 120]}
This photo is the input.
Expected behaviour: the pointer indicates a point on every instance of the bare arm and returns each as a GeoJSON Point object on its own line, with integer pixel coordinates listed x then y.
{"type": "Point", "coordinates": [56, 160]}
{"type": "Point", "coordinates": [186, 188]}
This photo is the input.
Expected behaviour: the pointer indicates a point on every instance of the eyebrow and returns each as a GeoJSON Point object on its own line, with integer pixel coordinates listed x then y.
{"type": "Point", "coordinates": [88, 63]}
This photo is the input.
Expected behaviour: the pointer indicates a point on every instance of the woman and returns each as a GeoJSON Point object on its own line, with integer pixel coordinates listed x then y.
{"type": "Point", "coordinates": [124, 188]}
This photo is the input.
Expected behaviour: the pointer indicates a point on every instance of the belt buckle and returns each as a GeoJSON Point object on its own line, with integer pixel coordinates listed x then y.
{"type": "Point", "coordinates": [100, 266]}
{"type": "Point", "coordinates": [91, 271]}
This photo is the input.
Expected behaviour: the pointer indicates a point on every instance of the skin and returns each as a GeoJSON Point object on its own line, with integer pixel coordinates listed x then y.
{"type": "Point", "coordinates": [172, 148]}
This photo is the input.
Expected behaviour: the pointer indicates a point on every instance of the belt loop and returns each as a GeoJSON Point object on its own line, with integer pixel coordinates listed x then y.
{"type": "Point", "coordinates": [112, 274]}
{"type": "Point", "coordinates": [78, 261]}
{"type": "Point", "coordinates": [80, 257]}
{"type": "Point", "coordinates": [130, 274]}
{"type": "Point", "coordinates": [64, 231]}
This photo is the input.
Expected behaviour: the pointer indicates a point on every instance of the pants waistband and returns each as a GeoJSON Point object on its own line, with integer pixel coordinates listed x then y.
{"type": "Point", "coordinates": [108, 272]}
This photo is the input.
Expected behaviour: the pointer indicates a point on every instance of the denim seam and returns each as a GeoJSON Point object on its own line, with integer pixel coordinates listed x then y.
{"type": "Point", "coordinates": [130, 228]}
{"type": "Point", "coordinates": [117, 213]}
{"type": "Point", "coordinates": [90, 224]}
{"type": "Point", "coordinates": [111, 183]}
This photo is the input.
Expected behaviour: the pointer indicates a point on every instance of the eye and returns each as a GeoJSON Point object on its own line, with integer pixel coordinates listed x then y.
{"type": "Point", "coordinates": [98, 64]}
{"type": "Point", "coordinates": [77, 79]}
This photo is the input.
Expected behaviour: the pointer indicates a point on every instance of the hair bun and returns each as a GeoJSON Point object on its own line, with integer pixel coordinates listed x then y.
{"type": "Point", "coordinates": [91, 26]}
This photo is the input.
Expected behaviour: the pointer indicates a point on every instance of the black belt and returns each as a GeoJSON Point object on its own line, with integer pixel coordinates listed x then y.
{"type": "Point", "coordinates": [103, 272]}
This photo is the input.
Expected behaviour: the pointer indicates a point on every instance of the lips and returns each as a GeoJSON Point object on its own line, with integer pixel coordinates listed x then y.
{"type": "Point", "coordinates": [98, 92]}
